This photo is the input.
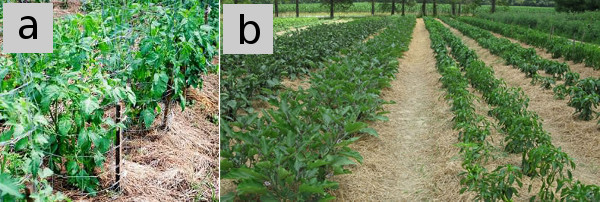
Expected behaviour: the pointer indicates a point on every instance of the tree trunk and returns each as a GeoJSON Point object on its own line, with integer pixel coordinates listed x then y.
{"type": "Point", "coordinates": [235, 1]}
{"type": "Point", "coordinates": [493, 6]}
{"type": "Point", "coordinates": [297, 9]}
{"type": "Point", "coordinates": [434, 8]}
{"type": "Point", "coordinates": [403, 2]}
{"type": "Point", "coordinates": [459, 9]}
{"type": "Point", "coordinates": [453, 5]}
{"type": "Point", "coordinates": [393, 7]}
{"type": "Point", "coordinates": [423, 8]}
{"type": "Point", "coordinates": [331, 9]}
{"type": "Point", "coordinates": [276, 9]}
{"type": "Point", "coordinates": [372, 7]}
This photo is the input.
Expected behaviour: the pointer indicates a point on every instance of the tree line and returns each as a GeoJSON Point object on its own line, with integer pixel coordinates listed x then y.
{"type": "Point", "coordinates": [456, 5]}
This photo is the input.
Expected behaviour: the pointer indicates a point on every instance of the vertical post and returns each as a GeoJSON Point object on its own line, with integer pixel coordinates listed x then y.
{"type": "Point", "coordinates": [118, 152]}
{"type": "Point", "coordinates": [297, 9]}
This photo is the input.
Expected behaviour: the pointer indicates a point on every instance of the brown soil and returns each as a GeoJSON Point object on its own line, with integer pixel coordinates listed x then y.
{"type": "Point", "coordinates": [72, 7]}
{"type": "Point", "coordinates": [579, 68]}
{"type": "Point", "coordinates": [177, 164]}
{"type": "Point", "coordinates": [414, 157]}
{"type": "Point", "coordinates": [303, 82]}
{"type": "Point", "coordinates": [577, 138]}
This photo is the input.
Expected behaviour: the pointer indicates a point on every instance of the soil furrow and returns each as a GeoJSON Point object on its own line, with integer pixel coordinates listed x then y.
{"type": "Point", "coordinates": [414, 157]}
{"type": "Point", "coordinates": [577, 138]}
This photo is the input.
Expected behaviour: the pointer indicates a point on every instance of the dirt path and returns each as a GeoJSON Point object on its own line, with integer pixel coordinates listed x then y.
{"type": "Point", "coordinates": [414, 157]}
{"type": "Point", "coordinates": [579, 68]}
{"type": "Point", "coordinates": [577, 138]}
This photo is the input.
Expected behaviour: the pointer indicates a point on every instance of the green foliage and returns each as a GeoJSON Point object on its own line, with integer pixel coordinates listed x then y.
{"type": "Point", "coordinates": [293, 149]}
{"type": "Point", "coordinates": [280, 24]}
{"type": "Point", "coordinates": [523, 129]}
{"type": "Point", "coordinates": [558, 46]}
{"type": "Point", "coordinates": [261, 75]}
{"type": "Point", "coordinates": [585, 96]}
{"type": "Point", "coordinates": [576, 5]}
{"type": "Point", "coordinates": [54, 106]}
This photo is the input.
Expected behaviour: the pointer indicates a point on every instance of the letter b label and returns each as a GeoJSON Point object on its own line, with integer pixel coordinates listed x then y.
{"type": "Point", "coordinates": [27, 28]}
{"type": "Point", "coordinates": [247, 29]}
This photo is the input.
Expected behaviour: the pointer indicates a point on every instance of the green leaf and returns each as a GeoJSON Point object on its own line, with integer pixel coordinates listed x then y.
{"type": "Point", "coordinates": [342, 160]}
{"type": "Point", "coordinates": [244, 173]}
{"type": "Point", "coordinates": [8, 185]}
{"type": "Point", "coordinates": [306, 188]}
{"type": "Point", "coordinates": [21, 144]}
{"type": "Point", "coordinates": [251, 187]}
{"type": "Point", "coordinates": [46, 172]}
{"type": "Point", "coordinates": [370, 131]}
{"type": "Point", "coordinates": [89, 105]}
{"type": "Point", "coordinates": [317, 163]}
{"type": "Point", "coordinates": [354, 127]}
{"type": "Point", "coordinates": [148, 117]}
{"type": "Point", "coordinates": [72, 167]}
{"type": "Point", "coordinates": [159, 85]}
{"type": "Point", "coordinates": [83, 140]}
{"type": "Point", "coordinates": [64, 125]}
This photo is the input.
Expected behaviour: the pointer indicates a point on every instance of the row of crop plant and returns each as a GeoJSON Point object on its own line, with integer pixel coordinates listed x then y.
{"type": "Point", "coordinates": [541, 160]}
{"type": "Point", "coordinates": [291, 152]}
{"type": "Point", "coordinates": [247, 78]}
{"type": "Point", "coordinates": [55, 120]}
{"type": "Point", "coordinates": [559, 46]}
{"type": "Point", "coordinates": [581, 26]}
{"type": "Point", "coordinates": [584, 94]}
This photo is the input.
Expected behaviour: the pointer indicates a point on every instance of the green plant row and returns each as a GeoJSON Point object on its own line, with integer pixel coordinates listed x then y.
{"type": "Point", "coordinates": [498, 184]}
{"type": "Point", "coordinates": [55, 118]}
{"type": "Point", "coordinates": [247, 78]}
{"type": "Point", "coordinates": [524, 133]}
{"type": "Point", "coordinates": [581, 26]}
{"type": "Point", "coordinates": [291, 151]}
{"type": "Point", "coordinates": [584, 94]}
{"type": "Point", "coordinates": [525, 59]}
{"type": "Point", "coordinates": [558, 46]}
{"type": "Point", "coordinates": [280, 24]}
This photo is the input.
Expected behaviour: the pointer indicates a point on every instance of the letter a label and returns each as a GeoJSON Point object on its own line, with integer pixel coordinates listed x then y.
{"type": "Point", "coordinates": [28, 28]}
{"type": "Point", "coordinates": [247, 29]}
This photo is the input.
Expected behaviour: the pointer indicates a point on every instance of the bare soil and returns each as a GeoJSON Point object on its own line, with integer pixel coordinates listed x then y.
{"type": "Point", "coordinates": [414, 157]}
{"type": "Point", "coordinates": [577, 138]}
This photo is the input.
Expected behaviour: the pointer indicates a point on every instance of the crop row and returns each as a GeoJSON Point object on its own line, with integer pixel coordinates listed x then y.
{"type": "Point", "coordinates": [559, 46]}
{"type": "Point", "coordinates": [246, 78]}
{"type": "Point", "coordinates": [291, 152]}
{"type": "Point", "coordinates": [584, 94]}
{"type": "Point", "coordinates": [524, 135]}
{"type": "Point", "coordinates": [525, 59]}
{"type": "Point", "coordinates": [55, 107]}
{"type": "Point", "coordinates": [580, 26]}
{"type": "Point", "coordinates": [280, 24]}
